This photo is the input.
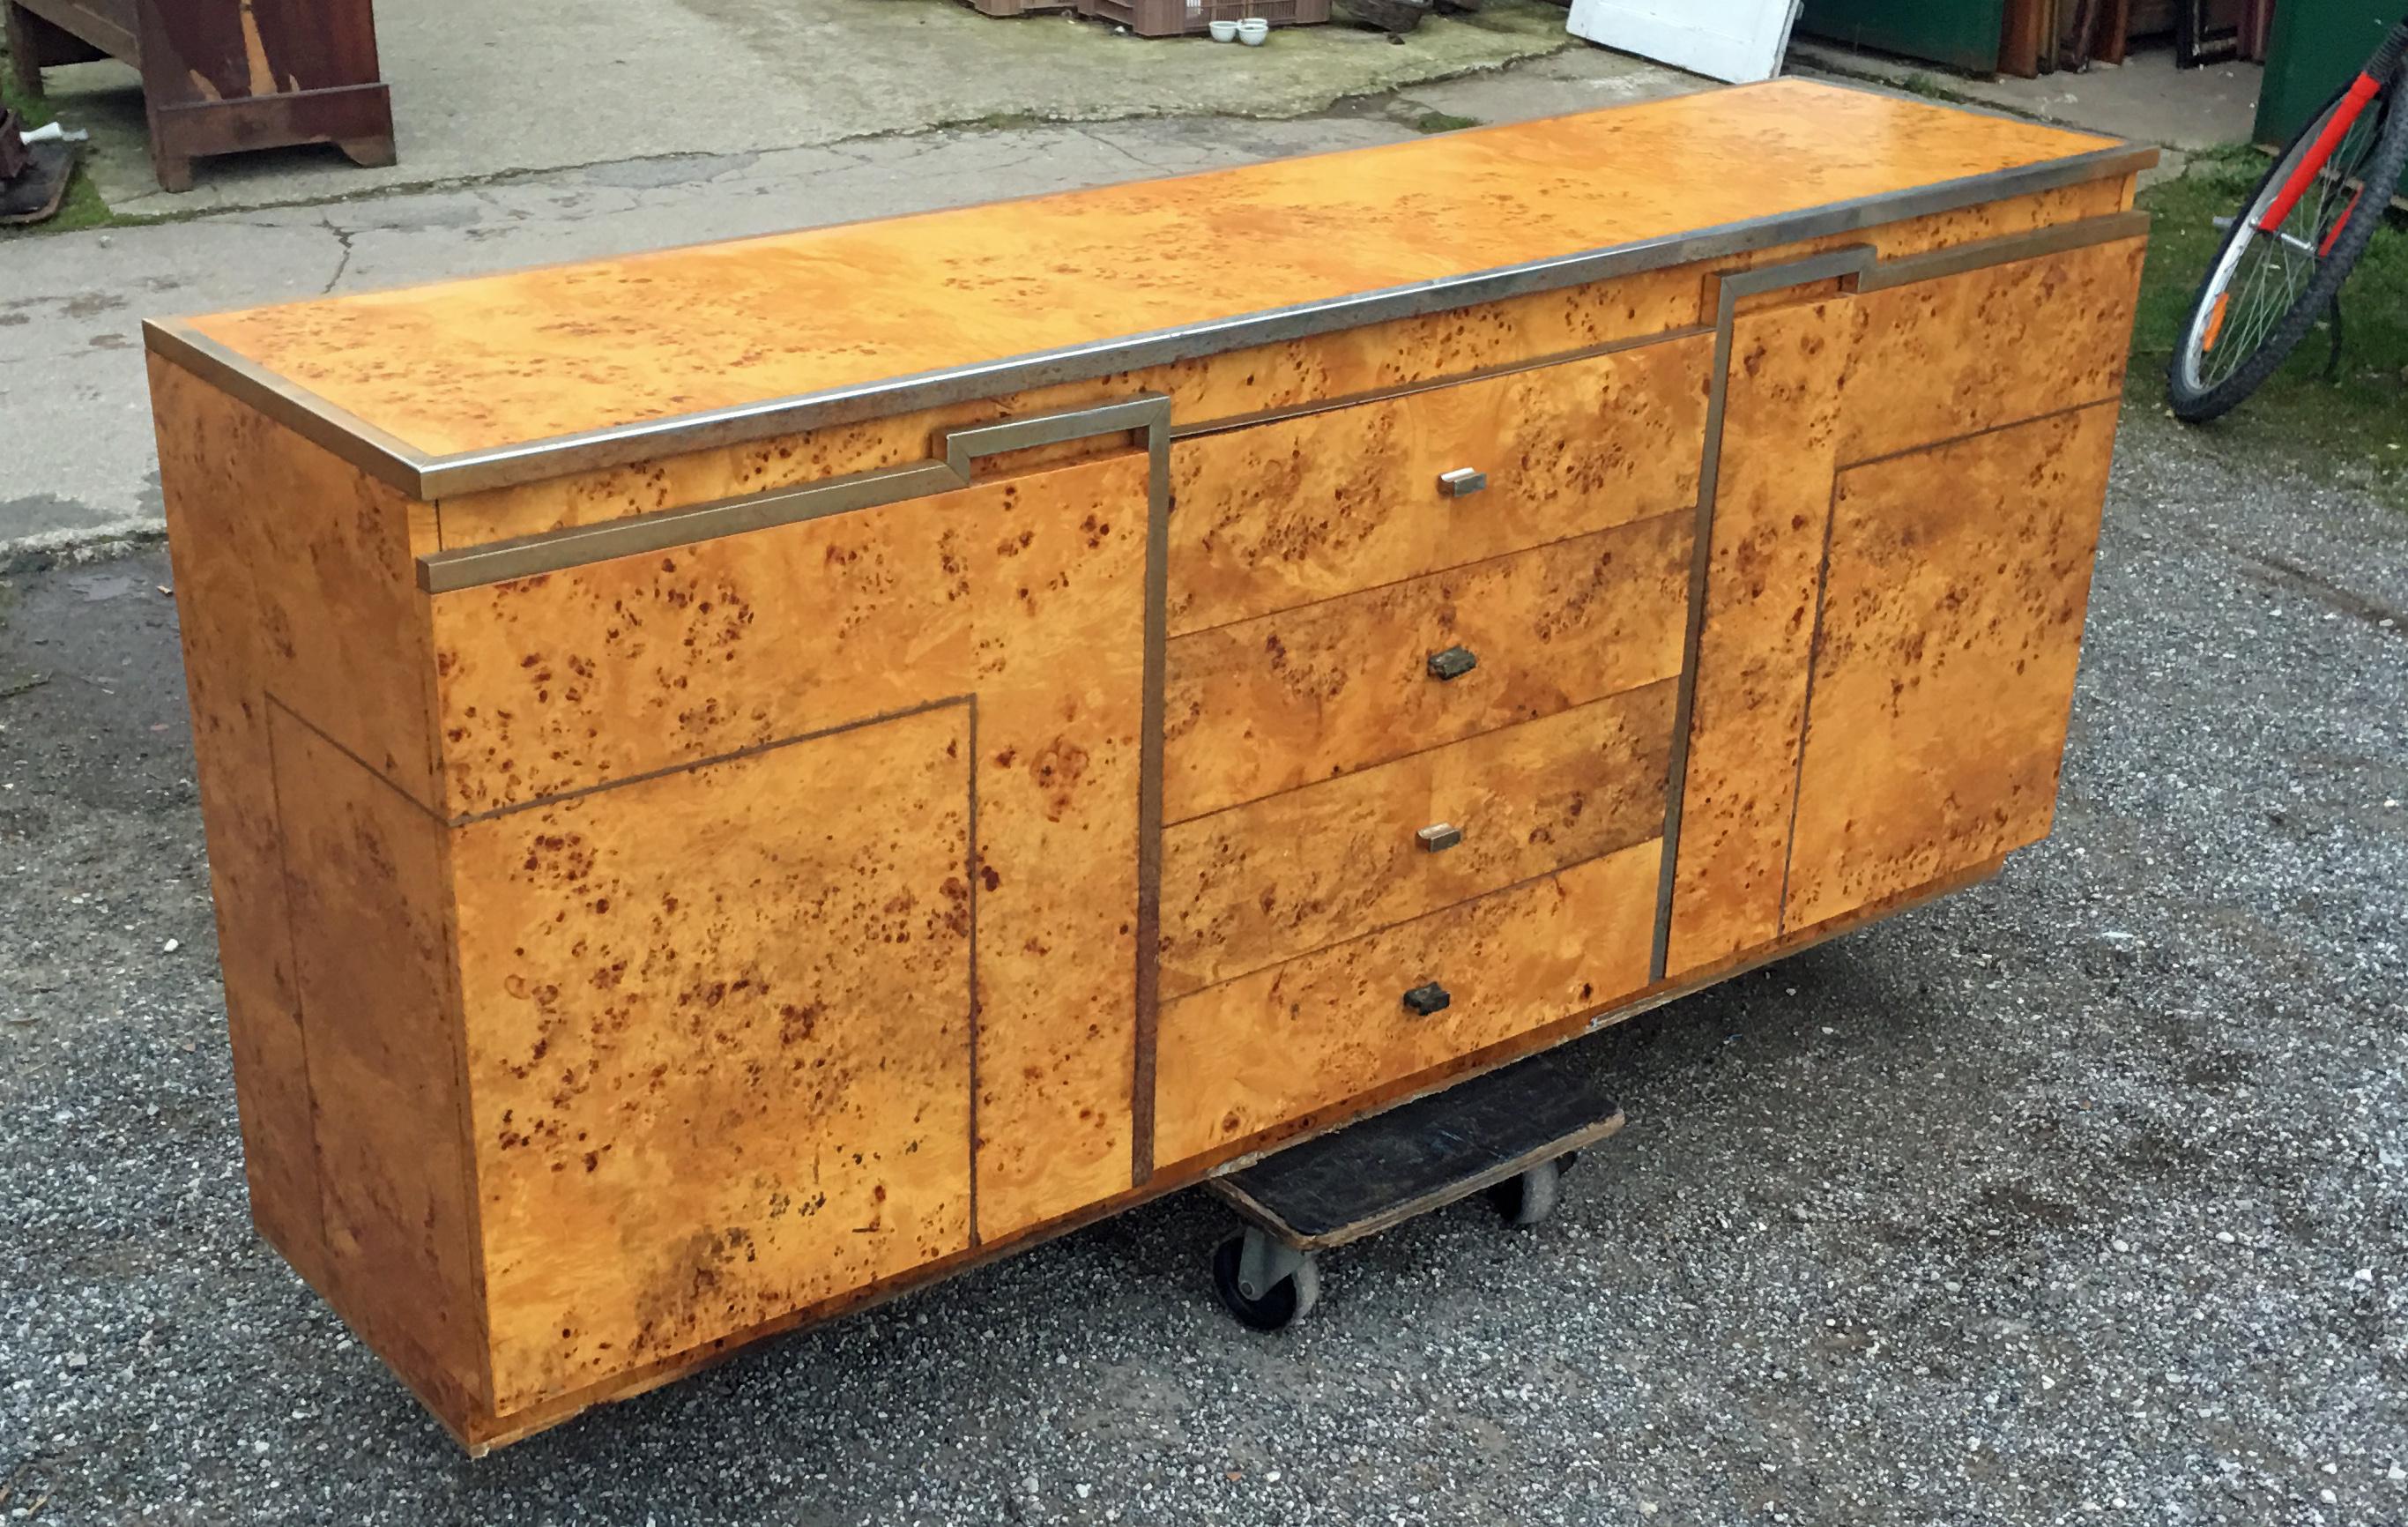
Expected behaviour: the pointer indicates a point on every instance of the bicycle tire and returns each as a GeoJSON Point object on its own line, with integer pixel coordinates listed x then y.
{"type": "Point", "coordinates": [2197, 405]}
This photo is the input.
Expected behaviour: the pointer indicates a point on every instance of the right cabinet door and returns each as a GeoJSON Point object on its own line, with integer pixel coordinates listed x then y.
{"type": "Point", "coordinates": [1975, 428]}
{"type": "Point", "coordinates": [1945, 663]}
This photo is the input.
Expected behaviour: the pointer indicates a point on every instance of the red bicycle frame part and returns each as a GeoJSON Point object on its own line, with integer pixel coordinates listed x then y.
{"type": "Point", "coordinates": [2361, 90]}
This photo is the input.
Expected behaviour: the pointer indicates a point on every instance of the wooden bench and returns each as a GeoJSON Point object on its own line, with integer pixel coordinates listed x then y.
{"type": "Point", "coordinates": [742, 779]}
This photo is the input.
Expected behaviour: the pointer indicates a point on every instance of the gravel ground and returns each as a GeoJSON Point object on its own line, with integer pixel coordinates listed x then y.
{"type": "Point", "coordinates": [2075, 1198]}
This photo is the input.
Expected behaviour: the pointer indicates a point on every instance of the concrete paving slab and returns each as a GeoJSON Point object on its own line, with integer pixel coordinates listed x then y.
{"type": "Point", "coordinates": [483, 91]}
{"type": "Point", "coordinates": [2145, 98]}
{"type": "Point", "coordinates": [1583, 79]}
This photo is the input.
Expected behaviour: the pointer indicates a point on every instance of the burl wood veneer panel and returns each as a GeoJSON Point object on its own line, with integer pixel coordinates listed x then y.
{"type": "Point", "coordinates": [1772, 501]}
{"type": "Point", "coordinates": [1250, 1054]}
{"type": "Point", "coordinates": [1944, 668]}
{"type": "Point", "coordinates": [1027, 592]}
{"type": "Point", "coordinates": [1513, 331]}
{"type": "Point", "coordinates": [505, 359]}
{"type": "Point", "coordinates": [1280, 877]}
{"type": "Point", "coordinates": [271, 536]}
{"type": "Point", "coordinates": [719, 1045]}
{"type": "Point", "coordinates": [1940, 359]}
{"type": "Point", "coordinates": [1264, 705]}
{"type": "Point", "coordinates": [1286, 513]}
{"type": "Point", "coordinates": [366, 884]}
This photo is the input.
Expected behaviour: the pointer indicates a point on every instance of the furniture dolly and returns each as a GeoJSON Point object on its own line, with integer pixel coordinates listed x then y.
{"type": "Point", "coordinates": [743, 779]}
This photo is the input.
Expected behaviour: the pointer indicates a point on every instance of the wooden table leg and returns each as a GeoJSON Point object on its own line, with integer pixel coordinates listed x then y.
{"type": "Point", "coordinates": [369, 153]}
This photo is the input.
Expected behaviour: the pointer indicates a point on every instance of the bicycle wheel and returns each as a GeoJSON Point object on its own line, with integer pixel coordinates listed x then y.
{"type": "Point", "coordinates": [2284, 259]}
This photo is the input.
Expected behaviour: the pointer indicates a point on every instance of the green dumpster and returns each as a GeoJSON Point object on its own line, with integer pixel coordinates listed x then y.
{"type": "Point", "coordinates": [2313, 48]}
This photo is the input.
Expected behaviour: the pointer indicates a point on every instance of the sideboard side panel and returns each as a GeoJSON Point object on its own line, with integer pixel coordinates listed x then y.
{"type": "Point", "coordinates": [368, 883]}
{"type": "Point", "coordinates": [307, 673]}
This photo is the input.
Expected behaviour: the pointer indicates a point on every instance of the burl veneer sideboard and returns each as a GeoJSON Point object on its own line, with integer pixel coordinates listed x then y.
{"type": "Point", "coordinates": [745, 778]}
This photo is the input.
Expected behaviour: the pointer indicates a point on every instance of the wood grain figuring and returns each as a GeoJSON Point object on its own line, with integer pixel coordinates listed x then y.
{"type": "Point", "coordinates": [1305, 509]}
{"type": "Point", "coordinates": [1296, 374]}
{"type": "Point", "coordinates": [631, 961]}
{"type": "Point", "coordinates": [205, 507]}
{"type": "Point", "coordinates": [1943, 358]}
{"type": "Point", "coordinates": [332, 617]}
{"type": "Point", "coordinates": [719, 1046]}
{"type": "Point", "coordinates": [1027, 592]}
{"type": "Point", "coordinates": [506, 359]}
{"type": "Point", "coordinates": [1267, 882]}
{"type": "Point", "coordinates": [368, 886]}
{"type": "Point", "coordinates": [1944, 669]}
{"type": "Point", "coordinates": [1264, 705]}
{"type": "Point", "coordinates": [1249, 1054]}
{"type": "Point", "coordinates": [1515, 331]}
{"type": "Point", "coordinates": [1772, 501]}
{"type": "Point", "coordinates": [290, 576]}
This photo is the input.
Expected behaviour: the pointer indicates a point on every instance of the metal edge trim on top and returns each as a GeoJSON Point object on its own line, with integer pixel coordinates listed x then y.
{"type": "Point", "coordinates": [393, 460]}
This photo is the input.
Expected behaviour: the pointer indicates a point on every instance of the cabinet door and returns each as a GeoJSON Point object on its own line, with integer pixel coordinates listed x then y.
{"type": "Point", "coordinates": [1764, 560]}
{"type": "Point", "coordinates": [1951, 626]}
{"type": "Point", "coordinates": [1025, 595]}
{"type": "Point", "coordinates": [720, 1048]}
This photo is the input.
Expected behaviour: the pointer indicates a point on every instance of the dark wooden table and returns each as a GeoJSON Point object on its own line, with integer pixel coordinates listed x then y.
{"type": "Point", "coordinates": [221, 77]}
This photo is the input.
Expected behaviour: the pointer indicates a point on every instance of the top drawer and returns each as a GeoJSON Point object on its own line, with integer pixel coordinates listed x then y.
{"type": "Point", "coordinates": [1281, 514]}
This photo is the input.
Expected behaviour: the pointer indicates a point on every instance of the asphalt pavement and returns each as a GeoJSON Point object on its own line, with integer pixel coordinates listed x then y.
{"type": "Point", "coordinates": [2077, 1198]}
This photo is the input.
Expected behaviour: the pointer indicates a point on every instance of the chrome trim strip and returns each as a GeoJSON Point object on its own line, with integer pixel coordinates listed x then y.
{"type": "Point", "coordinates": [1857, 261]}
{"type": "Point", "coordinates": [426, 477]}
{"type": "Point", "coordinates": [1961, 259]}
{"type": "Point", "coordinates": [385, 457]}
{"type": "Point", "coordinates": [1150, 796]}
{"type": "Point", "coordinates": [1453, 379]}
{"type": "Point", "coordinates": [554, 551]}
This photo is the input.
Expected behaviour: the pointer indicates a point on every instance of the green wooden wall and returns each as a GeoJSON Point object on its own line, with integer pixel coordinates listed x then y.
{"type": "Point", "coordinates": [2315, 46]}
{"type": "Point", "coordinates": [1960, 34]}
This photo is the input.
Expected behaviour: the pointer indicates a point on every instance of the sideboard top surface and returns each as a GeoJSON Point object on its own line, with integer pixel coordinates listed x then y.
{"type": "Point", "coordinates": [519, 368]}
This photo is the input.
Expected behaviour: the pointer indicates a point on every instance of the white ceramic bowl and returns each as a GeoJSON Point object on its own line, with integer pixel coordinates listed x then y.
{"type": "Point", "coordinates": [1223, 31]}
{"type": "Point", "coordinates": [1253, 31]}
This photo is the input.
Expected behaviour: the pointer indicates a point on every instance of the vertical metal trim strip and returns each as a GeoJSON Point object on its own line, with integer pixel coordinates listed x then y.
{"type": "Point", "coordinates": [1854, 261]}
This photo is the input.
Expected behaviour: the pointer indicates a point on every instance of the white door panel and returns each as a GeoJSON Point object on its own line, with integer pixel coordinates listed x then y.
{"type": "Point", "coordinates": [1740, 40]}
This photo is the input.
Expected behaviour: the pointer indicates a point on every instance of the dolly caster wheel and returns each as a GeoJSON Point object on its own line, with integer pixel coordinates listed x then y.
{"type": "Point", "coordinates": [1532, 1196]}
{"type": "Point", "coordinates": [1266, 1285]}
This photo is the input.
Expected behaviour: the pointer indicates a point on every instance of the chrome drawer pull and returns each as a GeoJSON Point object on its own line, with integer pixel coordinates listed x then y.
{"type": "Point", "coordinates": [1427, 999]}
{"type": "Point", "coordinates": [1453, 663]}
{"type": "Point", "coordinates": [1439, 837]}
{"type": "Point", "coordinates": [1462, 483]}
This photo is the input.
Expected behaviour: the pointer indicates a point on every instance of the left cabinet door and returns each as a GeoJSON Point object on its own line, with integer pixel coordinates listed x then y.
{"type": "Point", "coordinates": [720, 1045]}
{"type": "Point", "coordinates": [792, 867]}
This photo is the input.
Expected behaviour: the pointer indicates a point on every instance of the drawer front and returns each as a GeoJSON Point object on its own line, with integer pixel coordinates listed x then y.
{"type": "Point", "coordinates": [1268, 704]}
{"type": "Point", "coordinates": [1939, 359]}
{"type": "Point", "coordinates": [1258, 1052]}
{"type": "Point", "coordinates": [1281, 514]}
{"type": "Point", "coordinates": [1281, 877]}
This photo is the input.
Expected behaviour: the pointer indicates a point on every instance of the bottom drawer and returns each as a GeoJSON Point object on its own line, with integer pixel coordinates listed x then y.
{"type": "Point", "coordinates": [1250, 1054]}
